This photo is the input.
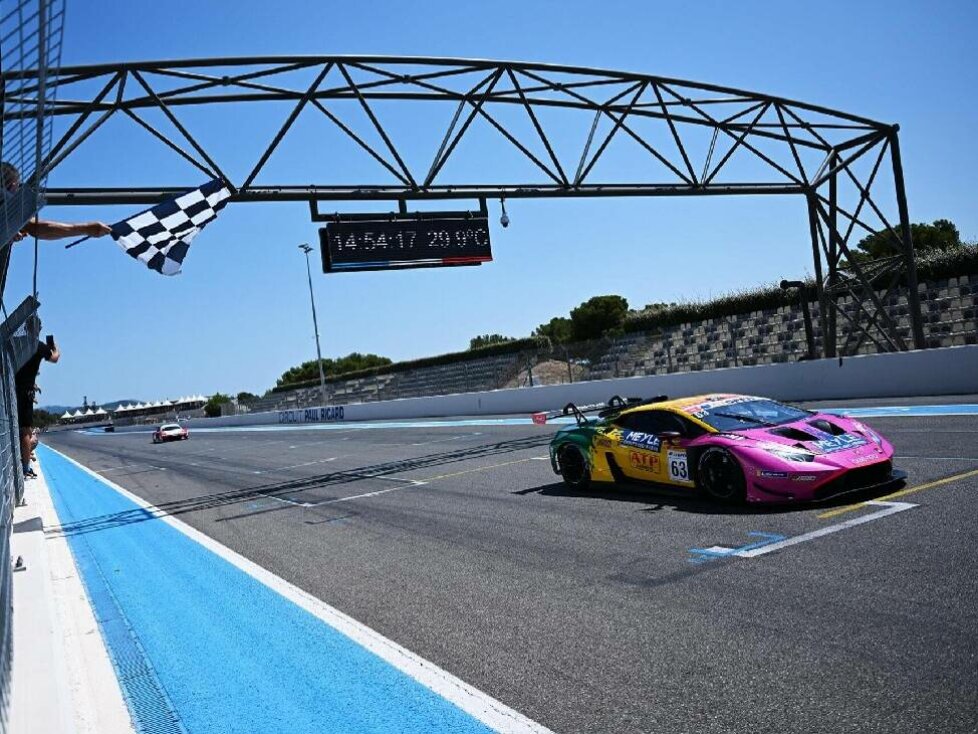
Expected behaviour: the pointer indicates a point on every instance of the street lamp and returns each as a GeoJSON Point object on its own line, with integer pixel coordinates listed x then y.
{"type": "Point", "coordinates": [315, 325]}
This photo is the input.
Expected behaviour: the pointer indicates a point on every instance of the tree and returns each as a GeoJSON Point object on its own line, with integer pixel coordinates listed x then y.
{"type": "Point", "coordinates": [43, 419]}
{"type": "Point", "coordinates": [484, 340]}
{"type": "Point", "coordinates": [652, 308]}
{"type": "Point", "coordinates": [353, 362]}
{"type": "Point", "coordinates": [212, 408]}
{"type": "Point", "coordinates": [941, 235]}
{"type": "Point", "coordinates": [558, 330]}
{"type": "Point", "coordinates": [244, 397]}
{"type": "Point", "coordinates": [598, 316]}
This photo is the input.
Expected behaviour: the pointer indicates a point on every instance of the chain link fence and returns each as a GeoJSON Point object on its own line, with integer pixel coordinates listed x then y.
{"type": "Point", "coordinates": [31, 33]}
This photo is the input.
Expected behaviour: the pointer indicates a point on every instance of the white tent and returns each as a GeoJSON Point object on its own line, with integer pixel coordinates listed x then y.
{"type": "Point", "coordinates": [101, 411]}
{"type": "Point", "coordinates": [89, 412]}
{"type": "Point", "coordinates": [66, 415]}
{"type": "Point", "coordinates": [139, 406]}
{"type": "Point", "coordinates": [77, 414]}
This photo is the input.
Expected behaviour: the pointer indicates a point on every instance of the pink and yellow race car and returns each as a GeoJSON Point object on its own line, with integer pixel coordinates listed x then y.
{"type": "Point", "coordinates": [735, 448]}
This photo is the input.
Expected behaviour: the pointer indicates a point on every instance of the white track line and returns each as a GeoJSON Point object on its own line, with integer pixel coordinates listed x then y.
{"type": "Point", "coordinates": [294, 466]}
{"type": "Point", "coordinates": [940, 458]}
{"type": "Point", "coordinates": [358, 496]}
{"type": "Point", "coordinates": [483, 707]}
{"type": "Point", "coordinates": [889, 508]}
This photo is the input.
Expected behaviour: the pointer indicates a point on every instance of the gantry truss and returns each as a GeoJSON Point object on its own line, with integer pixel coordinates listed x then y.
{"type": "Point", "coordinates": [677, 138]}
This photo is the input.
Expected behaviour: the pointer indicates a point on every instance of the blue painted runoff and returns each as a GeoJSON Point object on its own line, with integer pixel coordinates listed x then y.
{"type": "Point", "coordinates": [908, 411]}
{"type": "Point", "coordinates": [226, 652]}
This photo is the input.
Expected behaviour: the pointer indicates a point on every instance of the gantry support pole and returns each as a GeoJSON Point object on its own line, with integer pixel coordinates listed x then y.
{"type": "Point", "coordinates": [913, 297]}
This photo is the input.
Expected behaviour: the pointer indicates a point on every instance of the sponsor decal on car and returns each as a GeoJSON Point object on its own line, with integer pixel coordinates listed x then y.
{"type": "Point", "coordinates": [678, 466]}
{"type": "Point", "coordinates": [644, 461]}
{"type": "Point", "coordinates": [804, 478]}
{"type": "Point", "coordinates": [772, 474]}
{"type": "Point", "coordinates": [699, 410]}
{"type": "Point", "coordinates": [640, 440]}
{"type": "Point", "coordinates": [864, 458]}
{"type": "Point", "coordinates": [840, 443]}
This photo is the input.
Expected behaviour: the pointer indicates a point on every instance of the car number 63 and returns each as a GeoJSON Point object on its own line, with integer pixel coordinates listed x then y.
{"type": "Point", "coordinates": [677, 466]}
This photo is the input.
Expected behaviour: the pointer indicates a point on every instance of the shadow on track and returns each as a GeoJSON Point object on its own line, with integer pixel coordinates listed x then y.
{"type": "Point", "coordinates": [659, 497]}
{"type": "Point", "coordinates": [276, 489]}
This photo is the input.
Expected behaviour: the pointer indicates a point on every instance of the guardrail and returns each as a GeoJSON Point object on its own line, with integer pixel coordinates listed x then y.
{"type": "Point", "coordinates": [948, 371]}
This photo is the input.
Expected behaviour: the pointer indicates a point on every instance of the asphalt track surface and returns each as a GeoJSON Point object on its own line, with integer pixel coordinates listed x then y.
{"type": "Point", "coordinates": [592, 612]}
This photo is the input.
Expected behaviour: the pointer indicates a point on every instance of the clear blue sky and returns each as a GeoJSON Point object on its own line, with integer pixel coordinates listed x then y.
{"type": "Point", "coordinates": [239, 315]}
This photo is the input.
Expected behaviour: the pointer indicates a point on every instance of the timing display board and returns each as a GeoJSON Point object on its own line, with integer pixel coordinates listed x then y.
{"type": "Point", "coordinates": [388, 245]}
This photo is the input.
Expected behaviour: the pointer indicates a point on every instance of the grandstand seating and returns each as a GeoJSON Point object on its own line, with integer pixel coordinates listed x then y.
{"type": "Point", "coordinates": [950, 314]}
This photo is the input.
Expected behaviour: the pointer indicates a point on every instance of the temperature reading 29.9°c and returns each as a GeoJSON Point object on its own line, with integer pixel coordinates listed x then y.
{"type": "Point", "coordinates": [382, 245]}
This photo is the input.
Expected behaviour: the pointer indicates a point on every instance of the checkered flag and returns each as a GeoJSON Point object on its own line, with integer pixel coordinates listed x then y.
{"type": "Point", "coordinates": [161, 236]}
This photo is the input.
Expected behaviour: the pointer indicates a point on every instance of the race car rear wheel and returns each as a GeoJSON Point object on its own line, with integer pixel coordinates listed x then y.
{"type": "Point", "coordinates": [573, 467]}
{"type": "Point", "coordinates": [720, 476]}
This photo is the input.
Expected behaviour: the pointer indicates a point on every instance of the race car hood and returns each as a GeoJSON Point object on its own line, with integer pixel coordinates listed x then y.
{"type": "Point", "coordinates": [832, 439]}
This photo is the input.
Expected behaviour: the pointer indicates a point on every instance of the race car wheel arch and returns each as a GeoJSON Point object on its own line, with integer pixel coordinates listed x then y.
{"type": "Point", "coordinates": [573, 465]}
{"type": "Point", "coordinates": [719, 474]}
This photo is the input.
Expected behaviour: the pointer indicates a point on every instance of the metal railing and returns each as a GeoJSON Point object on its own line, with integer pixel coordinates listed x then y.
{"type": "Point", "coordinates": [31, 34]}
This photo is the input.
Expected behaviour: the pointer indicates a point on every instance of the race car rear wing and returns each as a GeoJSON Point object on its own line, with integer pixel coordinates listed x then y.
{"type": "Point", "coordinates": [614, 405]}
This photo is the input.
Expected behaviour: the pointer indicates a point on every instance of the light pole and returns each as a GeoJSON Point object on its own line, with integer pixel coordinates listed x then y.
{"type": "Point", "coordinates": [315, 325]}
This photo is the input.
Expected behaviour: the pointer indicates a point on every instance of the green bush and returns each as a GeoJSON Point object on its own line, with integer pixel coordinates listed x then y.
{"type": "Point", "coordinates": [932, 265]}
{"type": "Point", "coordinates": [510, 347]}
{"type": "Point", "coordinates": [212, 408]}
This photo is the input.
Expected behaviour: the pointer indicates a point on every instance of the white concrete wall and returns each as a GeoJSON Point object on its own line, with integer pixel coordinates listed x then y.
{"type": "Point", "coordinates": [949, 371]}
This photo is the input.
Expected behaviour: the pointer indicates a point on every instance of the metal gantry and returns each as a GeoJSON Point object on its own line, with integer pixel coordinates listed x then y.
{"type": "Point", "coordinates": [698, 139]}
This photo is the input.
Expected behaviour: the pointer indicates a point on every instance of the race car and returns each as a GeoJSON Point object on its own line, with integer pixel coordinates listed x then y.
{"type": "Point", "coordinates": [170, 432]}
{"type": "Point", "coordinates": [735, 448]}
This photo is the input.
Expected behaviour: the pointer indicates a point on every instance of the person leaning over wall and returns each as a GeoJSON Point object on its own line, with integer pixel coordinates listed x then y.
{"type": "Point", "coordinates": [41, 228]}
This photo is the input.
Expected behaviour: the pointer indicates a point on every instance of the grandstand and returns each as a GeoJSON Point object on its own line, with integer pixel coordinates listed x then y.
{"type": "Point", "coordinates": [770, 336]}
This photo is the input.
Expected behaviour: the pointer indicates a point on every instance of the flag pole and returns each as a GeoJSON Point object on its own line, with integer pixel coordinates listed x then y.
{"type": "Point", "coordinates": [77, 242]}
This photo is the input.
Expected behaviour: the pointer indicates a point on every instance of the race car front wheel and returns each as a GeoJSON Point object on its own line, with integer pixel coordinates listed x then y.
{"type": "Point", "coordinates": [573, 467]}
{"type": "Point", "coordinates": [720, 475]}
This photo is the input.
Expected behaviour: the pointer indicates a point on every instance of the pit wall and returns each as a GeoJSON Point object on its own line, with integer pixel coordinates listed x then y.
{"type": "Point", "coordinates": [947, 371]}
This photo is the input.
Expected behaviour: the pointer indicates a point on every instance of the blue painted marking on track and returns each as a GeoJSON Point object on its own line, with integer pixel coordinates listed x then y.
{"type": "Point", "coordinates": [460, 423]}
{"type": "Point", "coordinates": [703, 555]}
{"type": "Point", "coordinates": [907, 411]}
{"type": "Point", "coordinates": [229, 652]}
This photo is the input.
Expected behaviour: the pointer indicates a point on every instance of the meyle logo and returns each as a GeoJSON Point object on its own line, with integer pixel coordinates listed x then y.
{"type": "Point", "coordinates": [840, 443]}
{"type": "Point", "coordinates": [647, 441]}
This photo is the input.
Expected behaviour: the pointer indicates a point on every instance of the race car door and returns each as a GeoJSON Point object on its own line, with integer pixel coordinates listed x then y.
{"type": "Point", "coordinates": [641, 452]}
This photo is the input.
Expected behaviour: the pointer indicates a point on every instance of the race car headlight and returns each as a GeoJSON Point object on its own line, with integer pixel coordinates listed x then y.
{"type": "Point", "coordinates": [873, 436]}
{"type": "Point", "coordinates": [792, 455]}
{"type": "Point", "coordinates": [869, 433]}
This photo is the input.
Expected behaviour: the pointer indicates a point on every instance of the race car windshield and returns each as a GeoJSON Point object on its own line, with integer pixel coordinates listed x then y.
{"type": "Point", "coordinates": [749, 413]}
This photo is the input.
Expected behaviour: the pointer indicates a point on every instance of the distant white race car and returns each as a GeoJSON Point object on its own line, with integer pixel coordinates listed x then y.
{"type": "Point", "coordinates": [170, 432]}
